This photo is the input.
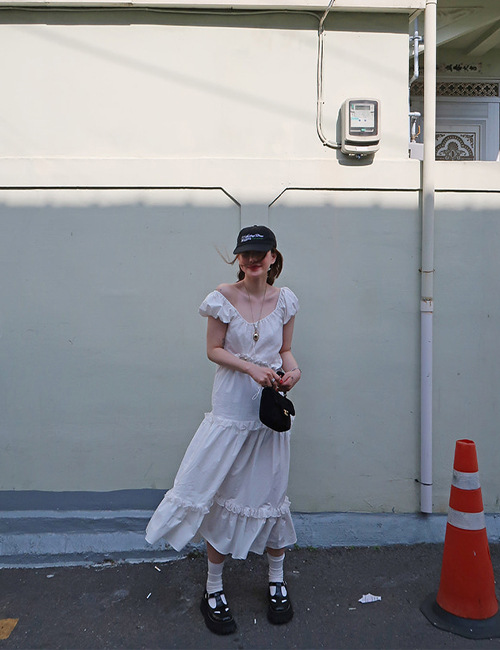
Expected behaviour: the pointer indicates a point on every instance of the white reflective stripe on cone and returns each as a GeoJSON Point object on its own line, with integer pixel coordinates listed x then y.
{"type": "Point", "coordinates": [467, 520]}
{"type": "Point", "coordinates": [465, 480]}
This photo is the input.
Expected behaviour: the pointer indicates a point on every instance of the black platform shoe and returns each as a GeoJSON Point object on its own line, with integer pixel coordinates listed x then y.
{"type": "Point", "coordinates": [218, 619]}
{"type": "Point", "coordinates": [280, 608]}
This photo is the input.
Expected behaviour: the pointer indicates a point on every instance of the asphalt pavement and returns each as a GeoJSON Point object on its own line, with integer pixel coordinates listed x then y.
{"type": "Point", "coordinates": [129, 606]}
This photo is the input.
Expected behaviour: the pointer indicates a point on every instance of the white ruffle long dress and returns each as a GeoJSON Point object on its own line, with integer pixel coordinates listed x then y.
{"type": "Point", "coordinates": [231, 485]}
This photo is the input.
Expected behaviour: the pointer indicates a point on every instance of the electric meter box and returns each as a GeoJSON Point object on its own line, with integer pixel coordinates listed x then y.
{"type": "Point", "coordinates": [360, 121]}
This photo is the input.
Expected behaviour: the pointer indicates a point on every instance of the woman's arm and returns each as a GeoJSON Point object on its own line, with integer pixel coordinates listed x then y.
{"type": "Point", "coordinates": [216, 334]}
{"type": "Point", "coordinates": [292, 371]}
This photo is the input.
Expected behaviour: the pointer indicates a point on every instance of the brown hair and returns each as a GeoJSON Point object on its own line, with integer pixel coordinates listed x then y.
{"type": "Point", "coordinates": [274, 270]}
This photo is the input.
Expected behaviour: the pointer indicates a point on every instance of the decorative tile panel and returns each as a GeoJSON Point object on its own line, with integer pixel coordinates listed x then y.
{"type": "Point", "coordinates": [456, 146]}
{"type": "Point", "coordinates": [460, 89]}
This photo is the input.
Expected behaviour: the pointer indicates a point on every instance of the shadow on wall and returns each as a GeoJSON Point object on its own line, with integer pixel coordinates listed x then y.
{"type": "Point", "coordinates": [104, 372]}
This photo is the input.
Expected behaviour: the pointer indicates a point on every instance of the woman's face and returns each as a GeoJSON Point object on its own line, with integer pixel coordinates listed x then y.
{"type": "Point", "coordinates": [255, 263]}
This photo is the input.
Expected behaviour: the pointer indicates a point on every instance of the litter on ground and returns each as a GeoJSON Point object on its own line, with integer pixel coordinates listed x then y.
{"type": "Point", "coordinates": [369, 598]}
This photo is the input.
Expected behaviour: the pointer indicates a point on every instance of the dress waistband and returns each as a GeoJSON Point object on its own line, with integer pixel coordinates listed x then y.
{"type": "Point", "coordinates": [258, 362]}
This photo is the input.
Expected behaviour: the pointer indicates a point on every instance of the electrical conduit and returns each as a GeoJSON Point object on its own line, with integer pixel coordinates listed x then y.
{"type": "Point", "coordinates": [427, 294]}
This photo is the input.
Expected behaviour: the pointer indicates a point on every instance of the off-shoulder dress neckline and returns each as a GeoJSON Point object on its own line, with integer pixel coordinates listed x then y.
{"type": "Point", "coordinates": [261, 319]}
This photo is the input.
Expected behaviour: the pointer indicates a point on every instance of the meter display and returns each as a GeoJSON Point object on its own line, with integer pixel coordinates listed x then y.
{"type": "Point", "coordinates": [362, 118]}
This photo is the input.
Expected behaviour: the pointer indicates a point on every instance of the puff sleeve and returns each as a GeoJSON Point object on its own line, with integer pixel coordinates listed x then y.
{"type": "Point", "coordinates": [291, 304]}
{"type": "Point", "coordinates": [217, 306]}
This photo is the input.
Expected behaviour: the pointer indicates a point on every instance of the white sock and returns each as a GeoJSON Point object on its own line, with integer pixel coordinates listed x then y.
{"type": "Point", "coordinates": [276, 568]}
{"type": "Point", "coordinates": [214, 578]}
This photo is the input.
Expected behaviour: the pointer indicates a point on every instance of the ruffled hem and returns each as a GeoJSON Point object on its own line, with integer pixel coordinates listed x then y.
{"type": "Point", "coordinates": [230, 528]}
{"type": "Point", "coordinates": [236, 535]}
{"type": "Point", "coordinates": [186, 505]}
{"type": "Point", "coordinates": [264, 512]}
{"type": "Point", "coordinates": [231, 505]}
{"type": "Point", "coordinates": [176, 520]}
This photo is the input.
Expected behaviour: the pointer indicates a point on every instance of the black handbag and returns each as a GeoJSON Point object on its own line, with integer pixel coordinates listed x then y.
{"type": "Point", "coordinates": [275, 410]}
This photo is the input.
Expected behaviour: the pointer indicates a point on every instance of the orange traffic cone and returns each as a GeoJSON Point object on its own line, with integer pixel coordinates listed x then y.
{"type": "Point", "coordinates": [466, 603]}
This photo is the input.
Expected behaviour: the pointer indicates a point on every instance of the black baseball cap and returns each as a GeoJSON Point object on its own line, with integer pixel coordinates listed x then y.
{"type": "Point", "coordinates": [255, 238]}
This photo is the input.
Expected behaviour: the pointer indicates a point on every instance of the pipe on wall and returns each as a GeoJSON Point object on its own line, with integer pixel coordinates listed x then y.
{"type": "Point", "coordinates": [416, 39]}
{"type": "Point", "coordinates": [427, 291]}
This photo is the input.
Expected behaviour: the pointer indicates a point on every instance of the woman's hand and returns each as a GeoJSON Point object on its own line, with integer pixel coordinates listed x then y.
{"type": "Point", "coordinates": [289, 379]}
{"type": "Point", "coordinates": [264, 376]}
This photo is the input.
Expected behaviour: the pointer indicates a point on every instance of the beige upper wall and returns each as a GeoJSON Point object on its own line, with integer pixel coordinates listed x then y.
{"type": "Point", "coordinates": [89, 86]}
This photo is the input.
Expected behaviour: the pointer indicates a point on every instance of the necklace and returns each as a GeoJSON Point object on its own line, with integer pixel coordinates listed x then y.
{"type": "Point", "coordinates": [256, 334]}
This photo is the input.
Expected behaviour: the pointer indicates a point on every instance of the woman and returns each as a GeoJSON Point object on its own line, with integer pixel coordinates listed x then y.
{"type": "Point", "coordinates": [231, 486]}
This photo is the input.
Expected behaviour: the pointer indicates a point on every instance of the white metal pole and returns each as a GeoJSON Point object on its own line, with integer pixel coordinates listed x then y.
{"type": "Point", "coordinates": [427, 297]}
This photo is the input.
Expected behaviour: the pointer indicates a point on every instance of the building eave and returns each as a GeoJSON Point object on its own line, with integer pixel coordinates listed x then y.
{"type": "Point", "coordinates": [380, 6]}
